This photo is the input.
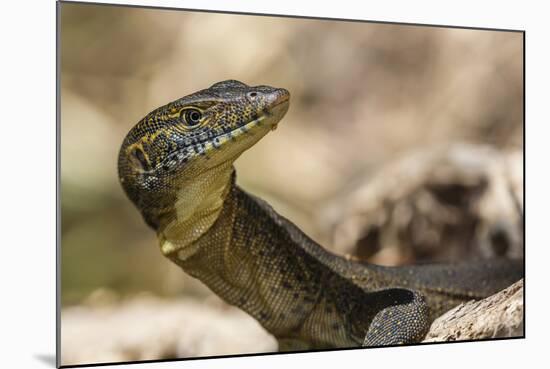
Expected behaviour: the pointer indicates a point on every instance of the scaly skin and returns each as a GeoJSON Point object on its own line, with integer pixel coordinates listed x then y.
{"type": "Point", "coordinates": [176, 165]}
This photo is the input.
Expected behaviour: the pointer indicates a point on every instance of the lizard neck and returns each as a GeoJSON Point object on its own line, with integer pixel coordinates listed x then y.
{"type": "Point", "coordinates": [251, 259]}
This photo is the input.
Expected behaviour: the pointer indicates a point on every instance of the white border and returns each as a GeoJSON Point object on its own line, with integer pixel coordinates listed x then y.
{"type": "Point", "coordinates": [28, 181]}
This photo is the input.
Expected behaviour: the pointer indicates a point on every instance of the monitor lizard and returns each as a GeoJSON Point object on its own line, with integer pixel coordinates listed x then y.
{"type": "Point", "coordinates": [176, 166]}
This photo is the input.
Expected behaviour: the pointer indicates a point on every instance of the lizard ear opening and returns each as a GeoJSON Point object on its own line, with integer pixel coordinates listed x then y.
{"type": "Point", "coordinates": [139, 159]}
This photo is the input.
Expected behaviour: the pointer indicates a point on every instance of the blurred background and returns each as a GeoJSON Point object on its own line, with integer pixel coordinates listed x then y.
{"type": "Point", "coordinates": [365, 97]}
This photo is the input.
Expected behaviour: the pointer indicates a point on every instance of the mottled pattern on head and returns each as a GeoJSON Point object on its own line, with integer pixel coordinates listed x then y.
{"type": "Point", "coordinates": [189, 135]}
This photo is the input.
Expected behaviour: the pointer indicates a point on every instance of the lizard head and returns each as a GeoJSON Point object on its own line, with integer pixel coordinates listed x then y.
{"type": "Point", "coordinates": [188, 138]}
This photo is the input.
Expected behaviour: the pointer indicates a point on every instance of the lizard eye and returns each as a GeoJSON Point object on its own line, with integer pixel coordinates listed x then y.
{"type": "Point", "coordinates": [252, 95]}
{"type": "Point", "coordinates": [192, 117]}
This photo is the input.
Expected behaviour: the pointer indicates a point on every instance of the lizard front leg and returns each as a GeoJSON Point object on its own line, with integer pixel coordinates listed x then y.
{"type": "Point", "coordinates": [405, 320]}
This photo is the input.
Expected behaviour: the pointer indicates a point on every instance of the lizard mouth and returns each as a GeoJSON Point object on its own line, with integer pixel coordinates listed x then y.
{"type": "Point", "coordinates": [269, 119]}
{"type": "Point", "coordinates": [276, 106]}
{"type": "Point", "coordinates": [280, 96]}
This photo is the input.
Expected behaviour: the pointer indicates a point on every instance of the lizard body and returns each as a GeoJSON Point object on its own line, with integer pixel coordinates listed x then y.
{"type": "Point", "coordinates": [176, 165]}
